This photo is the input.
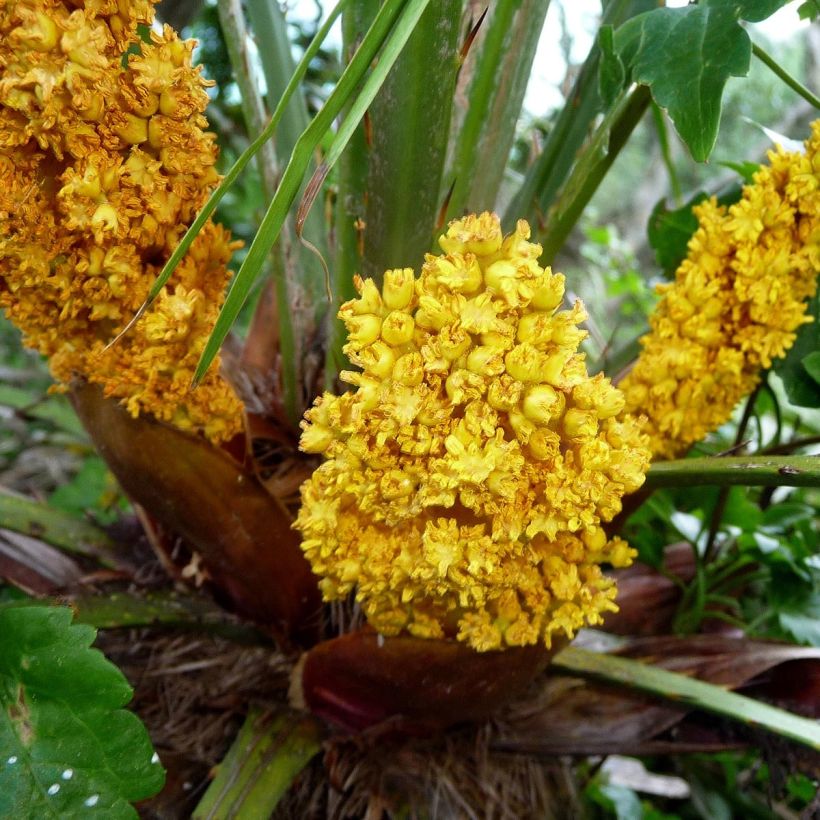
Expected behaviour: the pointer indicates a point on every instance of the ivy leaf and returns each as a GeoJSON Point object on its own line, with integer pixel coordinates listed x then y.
{"type": "Point", "coordinates": [752, 10]}
{"type": "Point", "coordinates": [685, 56]}
{"type": "Point", "coordinates": [67, 748]}
{"type": "Point", "coordinates": [802, 387]}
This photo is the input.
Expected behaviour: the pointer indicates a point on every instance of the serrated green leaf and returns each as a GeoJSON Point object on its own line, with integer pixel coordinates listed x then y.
{"type": "Point", "coordinates": [801, 388]}
{"type": "Point", "coordinates": [686, 55]}
{"type": "Point", "coordinates": [67, 747]}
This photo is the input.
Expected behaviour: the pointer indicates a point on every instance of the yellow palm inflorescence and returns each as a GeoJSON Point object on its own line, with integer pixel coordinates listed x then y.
{"type": "Point", "coordinates": [103, 169]}
{"type": "Point", "coordinates": [468, 475]}
{"type": "Point", "coordinates": [735, 304]}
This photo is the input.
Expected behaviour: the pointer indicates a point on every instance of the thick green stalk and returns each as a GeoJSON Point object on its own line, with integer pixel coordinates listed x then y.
{"type": "Point", "coordinates": [267, 755]}
{"type": "Point", "coordinates": [750, 471]}
{"type": "Point", "coordinates": [497, 69]}
{"type": "Point", "coordinates": [690, 692]}
{"type": "Point", "coordinates": [410, 120]}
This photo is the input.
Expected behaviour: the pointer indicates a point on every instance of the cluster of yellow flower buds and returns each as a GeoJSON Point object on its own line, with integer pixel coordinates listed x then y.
{"type": "Point", "coordinates": [735, 304]}
{"type": "Point", "coordinates": [103, 169]}
{"type": "Point", "coordinates": [468, 475]}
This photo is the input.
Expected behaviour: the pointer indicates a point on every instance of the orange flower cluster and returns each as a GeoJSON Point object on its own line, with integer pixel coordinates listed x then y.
{"type": "Point", "coordinates": [735, 305]}
{"type": "Point", "coordinates": [467, 477]}
{"type": "Point", "coordinates": [104, 165]}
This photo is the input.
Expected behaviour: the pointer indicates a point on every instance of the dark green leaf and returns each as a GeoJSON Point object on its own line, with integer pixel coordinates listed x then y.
{"type": "Point", "coordinates": [686, 55]}
{"type": "Point", "coordinates": [746, 170]}
{"type": "Point", "coordinates": [811, 364]}
{"type": "Point", "coordinates": [752, 10]}
{"type": "Point", "coordinates": [669, 232]}
{"type": "Point", "coordinates": [799, 616]}
{"type": "Point", "coordinates": [809, 10]}
{"type": "Point", "coordinates": [66, 744]}
{"type": "Point", "coordinates": [801, 387]}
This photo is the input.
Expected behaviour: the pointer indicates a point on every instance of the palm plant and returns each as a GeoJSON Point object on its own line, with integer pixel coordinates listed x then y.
{"type": "Point", "coordinates": [416, 133]}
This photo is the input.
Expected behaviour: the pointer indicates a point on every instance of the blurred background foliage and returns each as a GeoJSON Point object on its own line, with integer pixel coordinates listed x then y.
{"type": "Point", "coordinates": [756, 550]}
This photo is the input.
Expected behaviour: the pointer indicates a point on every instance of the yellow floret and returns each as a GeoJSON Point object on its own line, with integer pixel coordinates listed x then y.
{"type": "Point", "coordinates": [466, 479]}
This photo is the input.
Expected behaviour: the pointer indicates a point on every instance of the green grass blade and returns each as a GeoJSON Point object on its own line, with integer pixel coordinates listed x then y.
{"type": "Point", "coordinates": [236, 169]}
{"type": "Point", "coordinates": [749, 471]}
{"type": "Point", "coordinates": [55, 527]}
{"type": "Point", "coordinates": [263, 761]}
{"type": "Point", "coordinates": [379, 34]}
{"type": "Point", "coordinates": [689, 691]}
{"type": "Point", "coordinates": [499, 64]}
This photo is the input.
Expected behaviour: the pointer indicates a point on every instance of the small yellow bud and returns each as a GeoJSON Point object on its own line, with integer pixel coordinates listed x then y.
{"type": "Point", "coordinates": [364, 329]}
{"type": "Point", "coordinates": [487, 361]}
{"type": "Point", "coordinates": [316, 438]}
{"type": "Point", "coordinates": [525, 363]}
{"type": "Point", "coordinates": [544, 444]}
{"type": "Point", "coordinates": [399, 287]}
{"type": "Point", "coordinates": [369, 301]}
{"type": "Point", "coordinates": [521, 425]}
{"type": "Point", "coordinates": [40, 35]}
{"type": "Point", "coordinates": [454, 343]}
{"type": "Point", "coordinates": [435, 313]}
{"type": "Point", "coordinates": [504, 393]}
{"type": "Point", "coordinates": [500, 272]}
{"type": "Point", "coordinates": [397, 328]}
{"type": "Point", "coordinates": [409, 369]}
{"type": "Point", "coordinates": [553, 368]}
{"type": "Point", "coordinates": [105, 218]}
{"type": "Point", "coordinates": [543, 403]}
{"type": "Point", "coordinates": [579, 424]}
{"type": "Point", "coordinates": [396, 484]}
{"type": "Point", "coordinates": [169, 102]}
{"type": "Point", "coordinates": [461, 274]}
{"type": "Point", "coordinates": [535, 328]}
{"type": "Point", "coordinates": [378, 359]}
{"type": "Point", "coordinates": [549, 292]}
{"type": "Point", "coordinates": [135, 130]}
